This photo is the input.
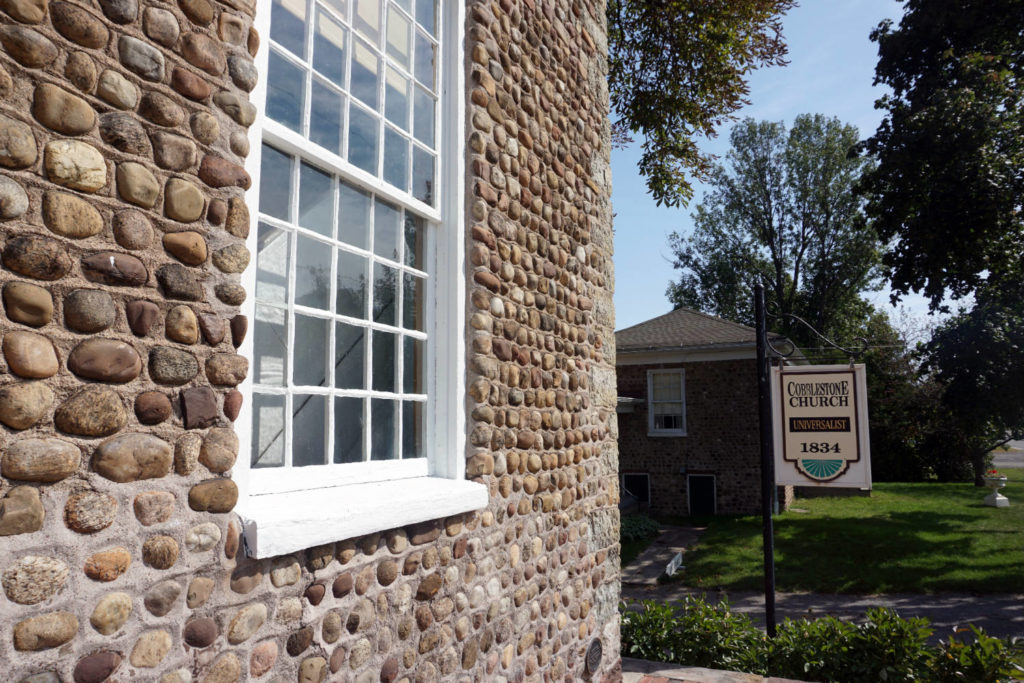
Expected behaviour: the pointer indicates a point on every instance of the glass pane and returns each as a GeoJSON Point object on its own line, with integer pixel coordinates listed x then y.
{"type": "Point", "coordinates": [349, 424]}
{"type": "Point", "coordinates": [668, 408]}
{"type": "Point", "coordinates": [365, 74]}
{"type": "Point", "coordinates": [316, 200]}
{"type": "Point", "coordinates": [309, 362]}
{"type": "Point", "coordinates": [386, 224]}
{"type": "Point", "coordinates": [339, 6]}
{"type": "Point", "coordinates": [362, 139]}
{"type": "Point", "coordinates": [288, 25]}
{"type": "Point", "coordinates": [268, 431]}
{"type": "Point", "coordinates": [423, 175]}
{"type": "Point", "coordinates": [367, 19]}
{"type": "Point", "coordinates": [285, 92]}
{"type": "Point", "coordinates": [312, 273]}
{"type": "Point", "coordinates": [413, 250]}
{"type": "Point", "coordinates": [353, 215]}
{"type": "Point", "coordinates": [309, 430]}
{"type": "Point", "coordinates": [398, 47]}
{"type": "Point", "coordinates": [349, 356]}
{"type": "Point", "coordinates": [405, 4]}
{"type": "Point", "coordinates": [329, 48]}
{"type": "Point", "coordinates": [412, 368]}
{"type": "Point", "coordinates": [396, 159]}
{"type": "Point", "coordinates": [412, 302]}
{"type": "Point", "coordinates": [269, 345]}
{"type": "Point", "coordinates": [271, 264]}
{"type": "Point", "coordinates": [351, 297]}
{"type": "Point", "coordinates": [382, 438]}
{"type": "Point", "coordinates": [426, 14]}
{"type": "Point", "coordinates": [383, 371]}
{"type": "Point", "coordinates": [423, 117]}
{"type": "Point", "coordinates": [327, 118]}
{"type": "Point", "coordinates": [426, 61]}
{"type": "Point", "coordinates": [674, 421]}
{"type": "Point", "coordinates": [396, 99]}
{"type": "Point", "coordinates": [385, 294]}
{"type": "Point", "coordinates": [412, 430]}
{"type": "Point", "coordinates": [275, 183]}
{"type": "Point", "coordinates": [666, 386]}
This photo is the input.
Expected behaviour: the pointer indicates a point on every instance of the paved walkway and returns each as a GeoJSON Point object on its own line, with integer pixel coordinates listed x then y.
{"type": "Point", "coordinates": [999, 615]}
{"type": "Point", "coordinates": [651, 563]}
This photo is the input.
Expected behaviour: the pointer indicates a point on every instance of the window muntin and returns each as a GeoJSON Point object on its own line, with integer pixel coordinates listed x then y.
{"type": "Point", "coordinates": [339, 337]}
{"type": "Point", "coordinates": [666, 402]}
{"type": "Point", "coordinates": [360, 79]}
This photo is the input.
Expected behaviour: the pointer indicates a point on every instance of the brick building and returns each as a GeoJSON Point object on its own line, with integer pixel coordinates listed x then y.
{"type": "Point", "coordinates": [688, 417]}
{"type": "Point", "coordinates": [307, 351]}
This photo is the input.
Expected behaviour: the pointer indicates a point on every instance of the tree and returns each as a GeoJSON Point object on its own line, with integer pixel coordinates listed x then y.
{"type": "Point", "coordinates": [677, 70]}
{"type": "Point", "coordinates": [946, 194]}
{"type": "Point", "coordinates": [782, 212]}
{"type": "Point", "coordinates": [950, 176]}
{"type": "Point", "coordinates": [976, 358]}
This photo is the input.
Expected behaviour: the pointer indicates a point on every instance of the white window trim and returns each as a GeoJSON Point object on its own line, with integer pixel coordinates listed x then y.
{"type": "Point", "coordinates": [347, 506]}
{"type": "Point", "coordinates": [651, 431]}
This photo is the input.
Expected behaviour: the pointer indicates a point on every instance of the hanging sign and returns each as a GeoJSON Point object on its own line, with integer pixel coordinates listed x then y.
{"type": "Point", "coordinates": [821, 426]}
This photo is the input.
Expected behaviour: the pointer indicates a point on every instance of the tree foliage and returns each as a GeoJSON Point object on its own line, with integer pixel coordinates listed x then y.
{"type": "Point", "coordinates": [976, 357]}
{"type": "Point", "coordinates": [947, 189]}
{"type": "Point", "coordinates": [946, 195]}
{"type": "Point", "coordinates": [677, 70]}
{"type": "Point", "coordinates": [782, 212]}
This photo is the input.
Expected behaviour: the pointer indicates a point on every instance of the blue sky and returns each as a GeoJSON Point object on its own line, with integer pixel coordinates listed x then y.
{"type": "Point", "coordinates": [832, 65]}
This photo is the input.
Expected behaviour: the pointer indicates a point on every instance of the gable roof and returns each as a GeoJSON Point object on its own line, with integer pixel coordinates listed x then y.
{"type": "Point", "coordinates": [683, 328]}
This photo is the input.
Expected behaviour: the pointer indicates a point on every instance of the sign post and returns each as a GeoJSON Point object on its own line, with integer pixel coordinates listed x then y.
{"type": "Point", "coordinates": [820, 436]}
{"type": "Point", "coordinates": [764, 403]}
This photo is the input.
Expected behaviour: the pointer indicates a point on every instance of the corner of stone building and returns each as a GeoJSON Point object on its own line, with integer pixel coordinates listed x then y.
{"type": "Point", "coordinates": [124, 238]}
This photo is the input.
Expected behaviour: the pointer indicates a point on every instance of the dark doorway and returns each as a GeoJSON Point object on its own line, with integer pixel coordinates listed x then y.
{"type": "Point", "coordinates": [701, 492]}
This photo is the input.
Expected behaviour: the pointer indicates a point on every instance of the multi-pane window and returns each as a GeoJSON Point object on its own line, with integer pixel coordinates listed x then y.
{"type": "Point", "coordinates": [666, 402]}
{"type": "Point", "coordinates": [360, 79]}
{"type": "Point", "coordinates": [345, 244]}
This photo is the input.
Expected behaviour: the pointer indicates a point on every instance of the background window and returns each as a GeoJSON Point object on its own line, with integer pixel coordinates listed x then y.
{"type": "Point", "coordinates": [666, 402]}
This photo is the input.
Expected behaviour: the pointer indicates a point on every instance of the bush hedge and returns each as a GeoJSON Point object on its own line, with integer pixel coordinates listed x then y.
{"type": "Point", "coordinates": [885, 647]}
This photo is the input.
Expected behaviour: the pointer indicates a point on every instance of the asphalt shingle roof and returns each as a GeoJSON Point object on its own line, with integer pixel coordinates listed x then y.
{"type": "Point", "coordinates": [683, 328]}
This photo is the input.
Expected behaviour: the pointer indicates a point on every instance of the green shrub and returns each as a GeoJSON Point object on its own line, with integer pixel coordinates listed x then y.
{"type": "Point", "coordinates": [697, 633]}
{"type": "Point", "coordinates": [983, 659]}
{"type": "Point", "coordinates": [885, 647]}
{"type": "Point", "coordinates": [637, 527]}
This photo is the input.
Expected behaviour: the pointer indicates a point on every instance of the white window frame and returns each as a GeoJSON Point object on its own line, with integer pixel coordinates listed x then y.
{"type": "Point", "coordinates": [651, 430]}
{"type": "Point", "coordinates": [322, 504]}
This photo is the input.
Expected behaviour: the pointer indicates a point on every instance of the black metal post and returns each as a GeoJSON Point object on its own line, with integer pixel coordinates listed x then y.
{"type": "Point", "coordinates": [764, 400]}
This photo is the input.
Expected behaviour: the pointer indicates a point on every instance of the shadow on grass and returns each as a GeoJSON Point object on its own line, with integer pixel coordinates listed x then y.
{"type": "Point", "coordinates": [900, 551]}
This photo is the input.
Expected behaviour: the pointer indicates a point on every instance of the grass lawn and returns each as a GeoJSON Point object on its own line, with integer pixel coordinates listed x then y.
{"type": "Point", "coordinates": [905, 538]}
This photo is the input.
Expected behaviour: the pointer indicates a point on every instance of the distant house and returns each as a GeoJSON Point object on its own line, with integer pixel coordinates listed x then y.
{"type": "Point", "coordinates": [688, 418]}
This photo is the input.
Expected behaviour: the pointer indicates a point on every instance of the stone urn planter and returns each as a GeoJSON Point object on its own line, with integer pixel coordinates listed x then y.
{"type": "Point", "coordinates": [996, 499]}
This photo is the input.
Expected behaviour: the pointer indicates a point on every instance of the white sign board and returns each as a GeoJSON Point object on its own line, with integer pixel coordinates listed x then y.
{"type": "Point", "coordinates": [821, 426]}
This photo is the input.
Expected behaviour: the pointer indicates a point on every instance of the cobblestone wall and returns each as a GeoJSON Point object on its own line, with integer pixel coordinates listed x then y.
{"type": "Point", "coordinates": [722, 436]}
{"type": "Point", "coordinates": [122, 144]}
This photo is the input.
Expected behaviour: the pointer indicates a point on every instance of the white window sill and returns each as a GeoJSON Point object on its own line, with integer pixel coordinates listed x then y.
{"type": "Point", "coordinates": [279, 523]}
{"type": "Point", "coordinates": [666, 433]}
